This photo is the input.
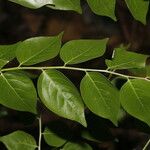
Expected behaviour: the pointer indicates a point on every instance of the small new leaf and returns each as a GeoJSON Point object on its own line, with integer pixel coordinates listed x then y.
{"type": "Point", "coordinates": [19, 140]}
{"type": "Point", "coordinates": [60, 96]}
{"type": "Point", "coordinates": [100, 96]}
{"type": "Point", "coordinates": [123, 59]}
{"type": "Point", "coordinates": [17, 92]}
{"type": "Point", "coordinates": [78, 51]}
{"type": "Point", "coordinates": [135, 99]}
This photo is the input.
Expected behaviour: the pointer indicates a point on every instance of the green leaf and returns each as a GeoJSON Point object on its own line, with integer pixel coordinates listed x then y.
{"type": "Point", "coordinates": [78, 51]}
{"type": "Point", "coordinates": [139, 9]}
{"type": "Point", "coordinates": [7, 53]}
{"type": "Point", "coordinates": [103, 7]}
{"type": "Point", "coordinates": [3, 63]}
{"type": "Point", "coordinates": [32, 3]}
{"type": "Point", "coordinates": [76, 146]}
{"type": "Point", "coordinates": [135, 99]}
{"type": "Point", "coordinates": [66, 5]}
{"type": "Point", "coordinates": [17, 92]}
{"type": "Point", "coordinates": [38, 49]}
{"type": "Point", "coordinates": [60, 96]}
{"type": "Point", "coordinates": [100, 96]}
{"type": "Point", "coordinates": [52, 138]}
{"type": "Point", "coordinates": [19, 140]}
{"type": "Point", "coordinates": [86, 135]}
{"type": "Point", "coordinates": [123, 59]}
{"type": "Point", "coordinates": [55, 4]}
{"type": "Point", "coordinates": [141, 72]}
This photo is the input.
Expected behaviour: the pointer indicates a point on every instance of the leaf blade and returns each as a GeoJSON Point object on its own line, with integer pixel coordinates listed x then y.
{"type": "Point", "coordinates": [60, 96]}
{"type": "Point", "coordinates": [7, 53]}
{"type": "Point", "coordinates": [123, 59]}
{"type": "Point", "coordinates": [19, 140]}
{"type": "Point", "coordinates": [38, 49]}
{"type": "Point", "coordinates": [134, 97]}
{"type": "Point", "coordinates": [67, 5]}
{"type": "Point", "coordinates": [52, 138]}
{"type": "Point", "coordinates": [78, 51]}
{"type": "Point", "coordinates": [138, 9]}
{"type": "Point", "coordinates": [103, 8]}
{"type": "Point", "coordinates": [17, 92]}
{"type": "Point", "coordinates": [105, 98]}
{"type": "Point", "coordinates": [34, 4]}
{"type": "Point", "coordinates": [78, 146]}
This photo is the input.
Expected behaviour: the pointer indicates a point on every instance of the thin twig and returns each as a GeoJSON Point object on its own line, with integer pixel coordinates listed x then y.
{"type": "Point", "coordinates": [74, 68]}
{"type": "Point", "coordinates": [146, 145]}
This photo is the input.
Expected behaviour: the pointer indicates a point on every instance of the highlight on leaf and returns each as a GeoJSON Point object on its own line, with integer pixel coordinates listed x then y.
{"type": "Point", "coordinates": [60, 96]}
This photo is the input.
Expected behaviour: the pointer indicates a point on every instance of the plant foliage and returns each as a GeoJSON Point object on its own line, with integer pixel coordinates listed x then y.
{"type": "Point", "coordinates": [57, 92]}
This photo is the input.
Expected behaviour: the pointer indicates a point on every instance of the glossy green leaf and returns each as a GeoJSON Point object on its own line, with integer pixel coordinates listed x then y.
{"type": "Point", "coordinates": [100, 96]}
{"type": "Point", "coordinates": [135, 99]}
{"type": "Point", "coordinates": [19, 140]}
{"type": "Point", "coordinates": [103, 7]}
{"type": "Point", "coordinates": [139, 9]}
{"type": "Point", "coordinates": [76, 146]}
{"type": "Point", "coordinates": [66, 5]}
{"type": "Point", "coordinates": [32, 3]}
{"type": "Point", "coordinates": [52, 138]}
{"type": "Point", "coordinates": [17, 92]}
{"type": "Point", "coordinates": [78, 51]}
{"type": "Point", "coordinates": [55, 4]}
{"type": "Point", "coordinates": [61, 96]}
{"type": "Point", "coordinates": [38, 49]}
{"type": "Point", "coordinates": [7, 53]}
{"type": "Point", "coordinates": [123, 59]}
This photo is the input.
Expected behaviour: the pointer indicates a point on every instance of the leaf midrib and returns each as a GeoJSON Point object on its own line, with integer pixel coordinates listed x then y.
{"type": "Point", "coordinates": [107, 106]}
{"type": "Point", "coordinates": [26, 105]}
{"type": "Point", "coordinates": [36, 54]}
